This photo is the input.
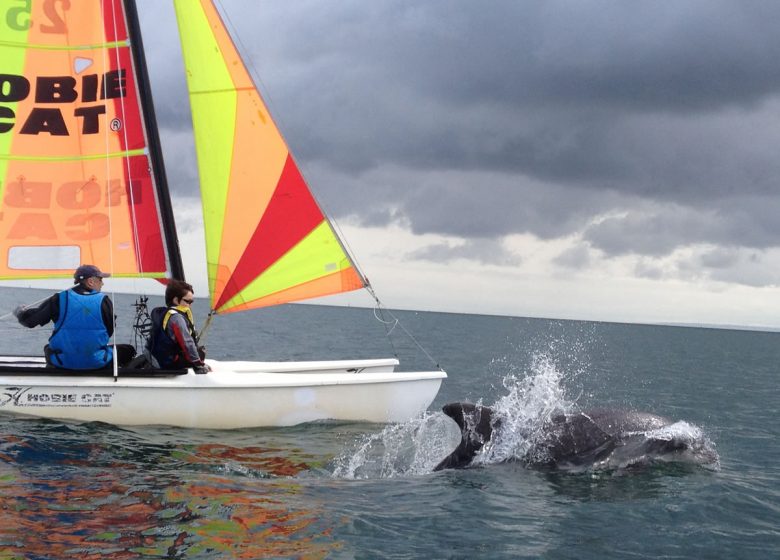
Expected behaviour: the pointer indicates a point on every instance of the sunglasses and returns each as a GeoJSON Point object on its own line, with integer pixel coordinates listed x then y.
{"type": "Point", "coordinates": [187, 301]}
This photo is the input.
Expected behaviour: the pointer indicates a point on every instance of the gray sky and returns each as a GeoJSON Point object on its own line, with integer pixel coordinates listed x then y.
{"type": "Point", "coordinates": [592, 159]}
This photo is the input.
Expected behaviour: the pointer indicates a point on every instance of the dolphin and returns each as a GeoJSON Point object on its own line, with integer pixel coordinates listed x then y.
{"type": "Point", "coordinates": [573, 440]}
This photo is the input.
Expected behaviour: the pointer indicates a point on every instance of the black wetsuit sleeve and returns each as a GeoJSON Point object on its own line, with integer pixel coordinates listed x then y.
{"type": "Point", "coordinates": [46, 312]}
{"type": "Point", "coordinates": [107, 310]}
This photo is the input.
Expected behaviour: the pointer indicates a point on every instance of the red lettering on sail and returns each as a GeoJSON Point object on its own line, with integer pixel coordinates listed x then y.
{"type": "Point", "coordinates": [35, 226]}
{"type": "Point", "coordinates": [87, 226]}
{"type": "Point", "coordinates": [28, 195]}
{"type": "Point", "coordinates": [116, 193]}
{"type": "Point", "coordinates": [78, 195]}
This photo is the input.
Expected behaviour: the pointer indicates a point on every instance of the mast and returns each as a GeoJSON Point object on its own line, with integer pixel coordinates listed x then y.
{"type": "Point", "coordinates": [153, 139]}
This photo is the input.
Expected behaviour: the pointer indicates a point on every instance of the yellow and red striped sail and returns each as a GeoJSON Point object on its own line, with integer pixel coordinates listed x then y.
{"type": "Point", "coordinates": [75, 180]}
{"type": "Point", "coordinates": [267, 241]}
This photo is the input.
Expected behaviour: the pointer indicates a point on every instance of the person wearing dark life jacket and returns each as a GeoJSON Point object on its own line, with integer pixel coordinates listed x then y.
{"type": "Point", "coordinates": [173, 342]}
{"type": "Point", "coordinates": [83, 320]}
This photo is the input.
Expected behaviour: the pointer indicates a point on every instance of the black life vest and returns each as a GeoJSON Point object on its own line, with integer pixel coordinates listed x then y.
{"type": "Point", "coordinates": [161, 346]}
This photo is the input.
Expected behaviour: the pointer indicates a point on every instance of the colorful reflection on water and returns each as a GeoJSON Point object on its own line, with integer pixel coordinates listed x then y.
{"type": "Point", "coordinates": [122, 499]}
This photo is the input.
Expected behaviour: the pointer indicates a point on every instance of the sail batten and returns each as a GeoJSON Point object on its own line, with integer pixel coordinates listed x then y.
{"type": "Point", "coordinates": [71, 48]}
{"type": "Point", "coordinates": [260, 216]}
{"type": "Point", "coordinates": [124, 154]}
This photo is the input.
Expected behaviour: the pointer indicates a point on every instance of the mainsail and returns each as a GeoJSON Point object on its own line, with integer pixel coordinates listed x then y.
{"type": "Point", "coordinates": [75, 175]}
{"type": "Point", "coordinates": [267, 240]}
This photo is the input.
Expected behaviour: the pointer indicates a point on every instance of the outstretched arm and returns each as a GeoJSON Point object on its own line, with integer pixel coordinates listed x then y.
{"type": "Point", "coordinates": [37, 316]}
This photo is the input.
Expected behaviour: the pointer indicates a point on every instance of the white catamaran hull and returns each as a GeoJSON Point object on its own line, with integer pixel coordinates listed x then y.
{"type": "Point", "coordinates": [232, 395]}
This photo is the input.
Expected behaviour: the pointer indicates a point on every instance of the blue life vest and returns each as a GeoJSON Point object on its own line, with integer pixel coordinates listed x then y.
{"type": "Point", "coordinates": [80, 338]}
{"type": "Point", "coordinates": [165, 349]}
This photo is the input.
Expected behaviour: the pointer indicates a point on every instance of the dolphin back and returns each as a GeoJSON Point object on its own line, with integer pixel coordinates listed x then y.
{"type": "Point", "coordinates": [590, 436]}
{"type": "Point", "coordinates": [572, 439]}
{"type": "Point", "coordinates": [567, 440]}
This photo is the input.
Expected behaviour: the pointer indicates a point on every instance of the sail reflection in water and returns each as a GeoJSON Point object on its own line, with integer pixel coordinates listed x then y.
{"type": "Point", "coordinates": [98, 492]}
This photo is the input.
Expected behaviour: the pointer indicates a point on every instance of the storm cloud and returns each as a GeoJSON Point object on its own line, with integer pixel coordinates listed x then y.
{"type": "Point", "coordinates": [640, 127]}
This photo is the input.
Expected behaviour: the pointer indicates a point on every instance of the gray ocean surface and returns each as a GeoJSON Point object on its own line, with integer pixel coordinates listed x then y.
{"type": "Point", "coordinates": [340, 490]}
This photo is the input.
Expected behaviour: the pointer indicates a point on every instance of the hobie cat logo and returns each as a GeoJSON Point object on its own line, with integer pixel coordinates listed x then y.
{"type": "Point", "coordinates": [66, 91]}
{"type": "Point", "coordinates": [58, 96]}
{"type": "Point", "coordinates": [30, 396]}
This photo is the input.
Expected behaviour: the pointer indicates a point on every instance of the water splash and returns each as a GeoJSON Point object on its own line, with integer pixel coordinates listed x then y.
{"type": "Point", "coordinates": [412, 448]}
{"type": "Point", "coordinates": [693, 446]}
{"type": "Point", "coordinates": [529, 404]}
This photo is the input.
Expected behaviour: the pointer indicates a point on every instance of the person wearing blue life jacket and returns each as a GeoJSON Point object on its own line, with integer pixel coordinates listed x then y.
{"type": "Point", "coordinates": [173, 340]}
{"type": "Point", "coordinates": [83, 320]}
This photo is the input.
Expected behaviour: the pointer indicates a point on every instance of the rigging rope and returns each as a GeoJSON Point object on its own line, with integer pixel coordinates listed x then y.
{"type": "Point", "coordinates": [396, 322]}
{"type": "Point", "coordinates": [199, 336]}
{"type": "Point", "coordinates": [107, 140]}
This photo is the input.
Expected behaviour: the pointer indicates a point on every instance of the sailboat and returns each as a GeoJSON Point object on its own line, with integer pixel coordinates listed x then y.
{"type": "Point", "coordinates": [83, 181]}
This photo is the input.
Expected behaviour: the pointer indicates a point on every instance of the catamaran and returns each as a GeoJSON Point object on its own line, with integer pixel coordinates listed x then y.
{"type": "Point", "coordinates": [83, 181]}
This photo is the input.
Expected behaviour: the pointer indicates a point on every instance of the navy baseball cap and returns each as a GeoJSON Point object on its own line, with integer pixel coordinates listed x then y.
{"type": "Point", "coordinates": [88, 271]}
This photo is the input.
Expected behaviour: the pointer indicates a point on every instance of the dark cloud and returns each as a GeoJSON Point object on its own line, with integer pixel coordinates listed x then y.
{"type": "Point", "coordinates": [644, 127]}
{"type": "Point", "coordinates": [736, 266]}
{"type": "Point", "coordinates": [654, 233]}
{"type": "Point", "coordinates": [658, 229]}
{"type": "Point", "coordinates": [455, 84]}
{"type": "Point", "coordinates": [694, 54]}
{"type": "Point", "coordinates": [719, 258]}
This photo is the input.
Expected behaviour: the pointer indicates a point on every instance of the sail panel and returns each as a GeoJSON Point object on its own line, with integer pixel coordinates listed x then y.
{"type": "Point", "coordinates": [336, 283]}
{"type": "Point", "coordinates": [13, 38]}
{"type": "Point", "coordinates": [316, 256]}
{"type": "Point", "coordinates": [264, 211]}
{"type": "Point", "coordinates": [213, 134]}
{"type": "Point", "coordinates": [74, 173]}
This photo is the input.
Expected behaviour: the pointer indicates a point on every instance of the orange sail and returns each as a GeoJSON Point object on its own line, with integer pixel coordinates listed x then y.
{"type": "Point", "coordinates": [267, 240]}
{"type": "Point", "coordinates": [75, 179]}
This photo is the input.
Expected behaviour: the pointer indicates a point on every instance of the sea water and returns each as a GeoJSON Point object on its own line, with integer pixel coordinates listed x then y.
{"type": "Point", "coordinates": [348, 490]}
